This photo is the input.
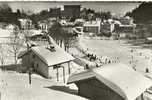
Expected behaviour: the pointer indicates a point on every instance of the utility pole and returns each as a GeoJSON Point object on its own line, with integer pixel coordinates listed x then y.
{"type": "Point", "coordinates": [29, 67]}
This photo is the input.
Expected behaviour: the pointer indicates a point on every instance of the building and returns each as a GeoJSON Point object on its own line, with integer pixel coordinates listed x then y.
{"type": "Point", "coordinates": [125, 30]}
{"type": "Point", "coordinates": [71, 11]}
{"type": "Point", "coordinates": [50, 62]}
{"type": "Point", "coordinates": [43, 25]}
{"type": "Point", "coordinates": [111, 82]}
{"type": "Point", "coordinates": [107, 26]}
{"type": "Point", "coordinates": [92, 27]}
{"type": "Point", "coordinates": [55, 12]}
{"type": "Point", "coordinates": [25, 24]}
{"type": "Point", "coordinates": [126, 20]}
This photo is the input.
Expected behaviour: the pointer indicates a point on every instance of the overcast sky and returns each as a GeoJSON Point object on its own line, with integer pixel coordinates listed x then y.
{"type": "Point", "coordinates": [114, 7]}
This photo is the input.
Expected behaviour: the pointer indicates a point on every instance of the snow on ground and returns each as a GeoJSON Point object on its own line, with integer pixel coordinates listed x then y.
{"type": "Point", "coordinates": [15, 86]}
{"type": "Point", "coordinates": [140, 58]}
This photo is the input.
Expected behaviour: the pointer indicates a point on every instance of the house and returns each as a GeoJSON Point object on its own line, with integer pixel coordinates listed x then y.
{"type": "Point", "coordinates": [43, 25]}
{"type": "Point", "coordinates": [126, 20]}
{"type": "Point", "coordinates": [111, 82]}
{"type": "Point", "coordinates": [126, 27]}
{"type": "Point", "coordinates": [50, 62]}
{"type": "Point", "coordinates": [25, 24]}
{"type": "Point", "coordinates": [125, 30]}
{"type": "Point", "coordinates": [92, 27]}
{"type": "Point", "coordinates": [107, 26]}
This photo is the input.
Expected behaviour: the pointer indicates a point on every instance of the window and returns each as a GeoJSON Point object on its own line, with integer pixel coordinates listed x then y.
{"type": "Point", "coordinates": [56, 66]}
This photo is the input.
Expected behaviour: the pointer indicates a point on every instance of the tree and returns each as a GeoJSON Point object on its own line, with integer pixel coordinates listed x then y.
{"type": "Point", "coordinates": [142, 14]}
{"type": "Point", "coordinates": [3, 53]}
{"type": "Point", "coordinates": [15, 44]}
{"type": "Point", "coordinates": [61, 35]}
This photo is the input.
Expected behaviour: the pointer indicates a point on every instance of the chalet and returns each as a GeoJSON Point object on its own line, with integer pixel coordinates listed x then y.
{"type": "Point", "coordinates": [111, 82]}
{"type": "Point", "coordinates": [50, 62]}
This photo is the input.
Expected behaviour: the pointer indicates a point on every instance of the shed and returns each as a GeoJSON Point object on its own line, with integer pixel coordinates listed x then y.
{"type": "Point", "coordinates": [112, 82]}
{"type": "Point", "coordinates": [46, 61]}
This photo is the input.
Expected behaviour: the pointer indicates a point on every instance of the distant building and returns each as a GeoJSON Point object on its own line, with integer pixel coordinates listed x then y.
{"type": "Point", "coordinates": [50, 62]}
{"type": "Point", "coordinates": [71, 11]}
{"type": "Point", "coordinates": [107, 27]}
{"type": "Point", "coordinates": [126, 27]}
{"type": "Point", "coordinates": [55, 12]}
{"type": "Point", "coordinates": [26, 24]}
{"type": "Point", "coordinates": [92, 27]}
{"type": "Point", "coordinates": [125, 30]}
{"type": "Point", "coordinates": [43, 25]}
{"type": "Point", "coordinates": [111, 82]}
{"type": "Point", "coordinates": [126, 20]}
{"type": "Point", "coordinates": [47, 23]}
{"type": "Point", "coordinates": [11, 27]}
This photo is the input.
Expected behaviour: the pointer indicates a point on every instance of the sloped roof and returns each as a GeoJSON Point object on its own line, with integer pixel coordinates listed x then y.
{"type": "Point", "coordinates": [52, 58]}
{"type": "Point", "coordinates": [21, 53]}
{"type": "Point", "coordinates": [119, 77]}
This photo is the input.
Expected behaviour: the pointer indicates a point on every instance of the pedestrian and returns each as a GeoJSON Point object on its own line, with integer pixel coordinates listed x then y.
{"type": "Point", "coordinates": [147, 70]}
{"type": "Point", "coordinates": [109, 61]}
{"type": "Point", "coordinates": [87, 67]}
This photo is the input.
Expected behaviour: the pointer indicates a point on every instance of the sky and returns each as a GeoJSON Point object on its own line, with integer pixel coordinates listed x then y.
{"type": "Point", "coordinates": [37, 6]}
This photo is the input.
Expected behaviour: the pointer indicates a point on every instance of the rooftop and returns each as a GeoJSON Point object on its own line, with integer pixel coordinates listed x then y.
{"type": "Point", "coordinates": [52, 57]}
{"type": "Point", "coordinates": [119, 77]}
{"type": "Point", "coordinates": [92, 23]}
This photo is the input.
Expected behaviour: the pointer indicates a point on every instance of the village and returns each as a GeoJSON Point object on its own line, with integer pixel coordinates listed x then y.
{"type": "Point", "coordinates": [70, 53]}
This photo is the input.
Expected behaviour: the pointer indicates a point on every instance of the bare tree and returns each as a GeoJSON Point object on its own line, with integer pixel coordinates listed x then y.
{"type": "Point", "coordinates": [2, 54]}
{"type": "Point", "coordinates": [15, 44]}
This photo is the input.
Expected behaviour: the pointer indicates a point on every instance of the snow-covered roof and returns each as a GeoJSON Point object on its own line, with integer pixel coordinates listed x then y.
{"type": "Point", "coordinates": [52, 57]}
{"type": "Point", "coordinates": [132, 25]}
{"type": "Point", "coordinates": [36, 32]}
{"type": "Point", "coordinates": [92, 23]}
{"type": "Point", "coordinates": [22, 53]}
{"type": "Point", "coordinates": [119, 77]}
{"type": "Point", "coordinates": [5, 33]}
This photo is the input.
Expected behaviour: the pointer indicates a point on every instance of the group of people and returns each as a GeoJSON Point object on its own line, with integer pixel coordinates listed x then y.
{"type": "Point", "coordinates": [102, 60]}
{"type": "Point", "coordinates": [133, 61]}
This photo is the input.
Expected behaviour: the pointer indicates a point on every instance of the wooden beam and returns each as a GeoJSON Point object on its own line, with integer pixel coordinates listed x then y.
{"type": "Point", "coordinates": [63, 74]}
{"type": "Point", "coordinates": [57, 74]}
{"type": "Point", "coordinates": [69, 68]}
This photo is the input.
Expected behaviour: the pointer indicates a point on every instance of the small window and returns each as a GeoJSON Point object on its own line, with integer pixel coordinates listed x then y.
{"type": "Point", "coordinates": [56, 66]}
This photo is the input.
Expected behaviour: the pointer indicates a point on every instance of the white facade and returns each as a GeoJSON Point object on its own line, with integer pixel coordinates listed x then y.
{"type": "Point", "coordinates": [48, 65]}
{"type": "Point", "coordinates": [92, 26]}
{"type": "Point", "coordinates": [25, 23]}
